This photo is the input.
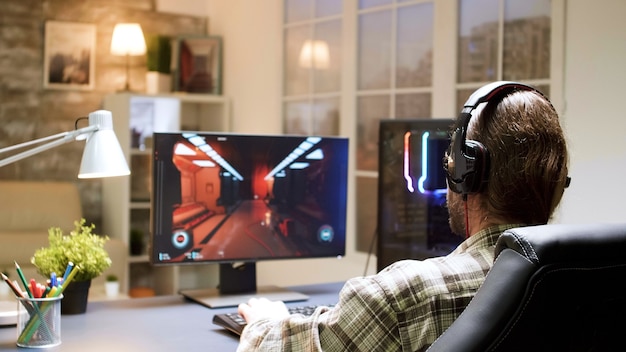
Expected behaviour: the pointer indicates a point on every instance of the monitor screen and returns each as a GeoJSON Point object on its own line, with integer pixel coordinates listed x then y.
{"type": "Point", "coordinates": [412, 213]}
{"type": "Point", "coordinates": [226, 198]}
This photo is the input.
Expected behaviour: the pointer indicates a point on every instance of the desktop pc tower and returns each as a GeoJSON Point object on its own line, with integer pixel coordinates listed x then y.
{"type": "Point", "coordinates": [412, 214]}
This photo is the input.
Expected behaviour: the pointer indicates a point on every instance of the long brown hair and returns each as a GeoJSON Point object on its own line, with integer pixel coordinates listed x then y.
{"type": "Point", "coordinates": [528, 158]}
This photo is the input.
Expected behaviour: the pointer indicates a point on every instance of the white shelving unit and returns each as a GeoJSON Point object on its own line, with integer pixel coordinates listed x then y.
{"type": "Point", "coordinates": [126, 200]}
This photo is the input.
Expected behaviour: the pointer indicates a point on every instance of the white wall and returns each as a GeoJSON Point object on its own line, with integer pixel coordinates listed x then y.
{"type": "Point", "coordinates": [252, 62]}
{"type": "Point", "coordinates": [594, 94]}
{"type": "Point", "coordinates": [593, 97]}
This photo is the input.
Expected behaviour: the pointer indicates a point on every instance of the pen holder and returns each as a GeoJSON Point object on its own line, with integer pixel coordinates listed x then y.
{"type": "Point", "coordinates": [39, 322]}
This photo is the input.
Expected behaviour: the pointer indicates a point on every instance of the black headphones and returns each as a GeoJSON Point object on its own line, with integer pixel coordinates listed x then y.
{"type": "Point", "coordinates": [467, 161]}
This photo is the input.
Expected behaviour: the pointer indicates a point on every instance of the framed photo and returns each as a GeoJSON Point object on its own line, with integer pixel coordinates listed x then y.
{"type": "Point", "coordinates": [69, 55]}
{"type": "Point", "coordinates": [199, 64]}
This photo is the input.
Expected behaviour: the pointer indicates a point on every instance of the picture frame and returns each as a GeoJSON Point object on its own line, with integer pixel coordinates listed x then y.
{"type": "Point", "coordinates": [199, 64]}
{"type": "Point", "coordinates": [69, 55]}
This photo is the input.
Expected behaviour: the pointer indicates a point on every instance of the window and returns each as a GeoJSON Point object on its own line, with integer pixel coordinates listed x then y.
{"type": "Point", "coordinates": [312, 66]}
{"type": "Point", "coordinates": [394, 80]}
{"type": "Point", "coordinates": [394, 60]}
{"type": "Point", "coordinates": [503, 40]}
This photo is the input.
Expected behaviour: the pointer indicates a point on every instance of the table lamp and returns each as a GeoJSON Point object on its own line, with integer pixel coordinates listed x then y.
{"type": "Point", "coordinates": [127, 40]}
{"type": "Point", "coordinates": [102, 156]}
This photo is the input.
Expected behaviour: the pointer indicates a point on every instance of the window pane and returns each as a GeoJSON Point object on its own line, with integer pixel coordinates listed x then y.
{"type": "Point", "coordinates": [526, 52]}
{"type": "Point", "coordinates": [415, 105]}
{"type": "Point", "coordinates": [374, 50]}
{"type": "Point", "coordinates": [321, 118]}
{"type": "Point", "coordinates": [327, 7]}
{"type": "Point", "coordinates": [370, 110]}
{"type": "Point", "coordinates": [298, 117]}
{"type": "Point", "coordinates": [461, 97]}
{"type": "Point", "coordinates": [297, 77]}
{"type": "Point", "coordinates": [364, 4]}
{"type": "Point", "coordinates": [478, 40]}
{"type": "Point", "coordinates": [326, 117]}
{"type": "Point", "coordinates": [366, 211]}
{"type": "Point", "coordinates": [327, 68]}
{"type": "Point", "coordinates": [415, 46]}
{"type": "Point", "coordinates": [297, 10]}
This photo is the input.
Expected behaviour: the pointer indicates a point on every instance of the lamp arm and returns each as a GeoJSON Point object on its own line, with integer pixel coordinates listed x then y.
{"type": "Point", "coordinates": [57, 140]}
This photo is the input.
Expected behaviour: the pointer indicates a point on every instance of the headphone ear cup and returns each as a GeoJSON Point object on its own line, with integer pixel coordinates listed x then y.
{"type": "Point", "coordinates": [477, 158]}
{"type": "Point", "coordinates": [469, 170]}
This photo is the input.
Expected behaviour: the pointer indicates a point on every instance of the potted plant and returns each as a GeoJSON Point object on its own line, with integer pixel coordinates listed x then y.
{"type": "Point", "coordinates": [136, 242]}
{"type": "Point", "coordinates": [112, 286]}
{"type": "Point", "coordinates": [158, 57]}
{"type": "Point", "coordinates": [85, 250]}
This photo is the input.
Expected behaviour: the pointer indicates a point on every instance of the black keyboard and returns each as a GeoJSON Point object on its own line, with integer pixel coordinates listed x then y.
{"type": "Point", "coordinates": [235, 323]}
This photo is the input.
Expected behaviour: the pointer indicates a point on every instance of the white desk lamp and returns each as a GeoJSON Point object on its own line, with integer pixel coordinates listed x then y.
{"type": "Point", "coordinates": [102, 156]}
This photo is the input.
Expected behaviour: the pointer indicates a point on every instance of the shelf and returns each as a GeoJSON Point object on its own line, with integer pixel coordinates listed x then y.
{"type": "Point", "coordinates": [137, 151]}
{"type": "Point", "coordinates": [144, 258]}
{"type": "Point", "coordinates": [126, 200]}
{"type": "Point", "coordinates": [182, 96]}
{"type": "Point", "coordinates": [140, 204]}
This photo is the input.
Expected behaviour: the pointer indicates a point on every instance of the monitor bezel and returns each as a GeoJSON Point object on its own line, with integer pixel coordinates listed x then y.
{"type": "Point", "coordinates": [342, 143]}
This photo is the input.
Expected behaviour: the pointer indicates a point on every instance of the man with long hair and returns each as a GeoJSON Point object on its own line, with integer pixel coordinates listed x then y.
{"type": "Point", "coordinates": [506, 167]}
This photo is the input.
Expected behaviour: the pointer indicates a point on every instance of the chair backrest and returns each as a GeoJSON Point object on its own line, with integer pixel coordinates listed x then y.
{"type": "Point", "coordinates": [552, 288]}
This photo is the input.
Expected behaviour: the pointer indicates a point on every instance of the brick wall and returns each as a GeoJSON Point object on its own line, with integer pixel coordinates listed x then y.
{"type": "Point", "coordinates": [28, 111]}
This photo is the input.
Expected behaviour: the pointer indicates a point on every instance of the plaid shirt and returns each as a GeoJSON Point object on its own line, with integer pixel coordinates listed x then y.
{"type": "Point", "coordinates": [405, 307]}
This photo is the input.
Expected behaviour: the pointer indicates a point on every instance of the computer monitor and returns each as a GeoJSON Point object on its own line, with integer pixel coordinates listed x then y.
{"type": "Point", "coordinates": [412, 214]}
{"type": "Point", "coordinates": [240, 198]}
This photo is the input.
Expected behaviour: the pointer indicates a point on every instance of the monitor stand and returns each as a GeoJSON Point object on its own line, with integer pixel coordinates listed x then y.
{"type": "Point", "coordinates": [238, 285]}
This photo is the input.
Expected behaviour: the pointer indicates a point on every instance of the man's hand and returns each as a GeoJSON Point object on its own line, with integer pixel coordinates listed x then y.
{"type": "Point", "coordinates": [262, 308]}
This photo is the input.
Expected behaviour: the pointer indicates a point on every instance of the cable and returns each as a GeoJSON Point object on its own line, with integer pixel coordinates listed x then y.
{"type": "Point", "coordinates": [369, 253]}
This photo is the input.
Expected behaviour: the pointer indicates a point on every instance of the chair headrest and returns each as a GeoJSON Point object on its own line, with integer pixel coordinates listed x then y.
{"type": "Point", "coordinates": [557, 243]}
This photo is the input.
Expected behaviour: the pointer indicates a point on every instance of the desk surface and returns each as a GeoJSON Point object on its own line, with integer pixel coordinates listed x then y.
{"type": "Point", "coordinates": [165, 323]}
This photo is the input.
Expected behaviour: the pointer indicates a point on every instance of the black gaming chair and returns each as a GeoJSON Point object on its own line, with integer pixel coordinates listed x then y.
{"type": "Point", "coordinates": [552, 288]}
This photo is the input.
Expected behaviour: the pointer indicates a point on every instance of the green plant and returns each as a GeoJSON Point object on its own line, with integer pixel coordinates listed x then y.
{"type": "Point", "coordinates": [158, 55]}
{"type": "Point", "coordinates": [82, 247]}
{"type": "Point", "coordinates": [111, 278]}
{"type": "Point", "coordinates": [136, 241]}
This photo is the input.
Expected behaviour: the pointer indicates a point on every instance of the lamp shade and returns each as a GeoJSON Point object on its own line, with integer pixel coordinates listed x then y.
{"type": "Point", "coordinates": [314, 54]}
{"type": "Point", "coordinates": [128, 39]}
{"type": "Point", "coordinates": [103, 155]}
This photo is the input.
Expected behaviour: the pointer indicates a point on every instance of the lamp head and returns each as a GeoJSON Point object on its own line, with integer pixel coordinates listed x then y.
{"type": "Point", "coordinates": [103, 155]}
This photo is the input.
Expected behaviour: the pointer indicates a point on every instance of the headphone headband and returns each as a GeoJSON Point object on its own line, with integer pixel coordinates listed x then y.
{"type": "Point", "coordinates": [489, 91]}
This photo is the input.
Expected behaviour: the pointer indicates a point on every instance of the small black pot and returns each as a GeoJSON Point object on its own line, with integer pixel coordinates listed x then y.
{"type": "Point", "coordinates": [75, 297]}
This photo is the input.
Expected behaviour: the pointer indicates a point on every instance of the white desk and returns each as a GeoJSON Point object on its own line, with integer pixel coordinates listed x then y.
{"type": "Point", "coordinates": [165, 323]}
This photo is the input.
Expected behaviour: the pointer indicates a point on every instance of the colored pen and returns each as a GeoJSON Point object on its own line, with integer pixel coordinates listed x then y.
{"type": "Point", "coordinates": [21, 275]}
{"type": "Point", "coordinates": [66, 282]}
{"type": "Point", "coordinates": [18, 293]}
{"type": "Point", "coordinates": [33, 288]}
{"type": "Point", "coordinates": [16, 290]}
{"type": "Point", "coordinates": [70, 277]}
{"type": "Point", "coordinates": [68, 270]}
{"type": "Point", "coordinates": [53, 279]}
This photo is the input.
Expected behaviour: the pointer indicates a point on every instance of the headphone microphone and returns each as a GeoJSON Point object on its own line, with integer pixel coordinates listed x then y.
{"type": "Point", "coordinates": [467, 161]}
